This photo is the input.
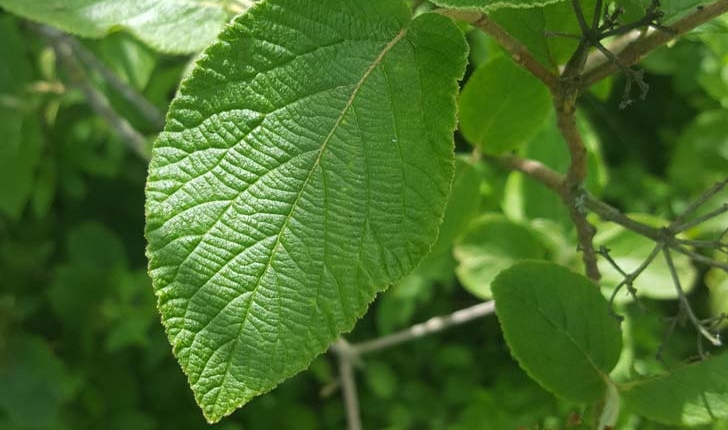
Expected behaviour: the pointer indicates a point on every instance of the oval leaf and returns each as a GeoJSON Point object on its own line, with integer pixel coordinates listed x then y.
{"type": "Point", "coordinates": [491, 244]}
{"type": "Point", "coordinates": [692, 395]}
{"type": "Point", "coordinates": [305, 167]}
{"type": "Point", "coordinates": [502, 106]}
{"type": "Point", "coordinates": [557, 325]}
{"type": "Point", "coordinates": [177, 26]}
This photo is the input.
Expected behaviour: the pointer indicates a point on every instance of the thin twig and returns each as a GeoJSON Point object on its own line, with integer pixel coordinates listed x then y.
{"type": "Point", "coordinates": [150, 112]}
{"type": "Point", "coordinates": [634, 52]}
{"type": "Point", "coordinates": [695, 205]}
{"type": "Point", "coordinates": [95, 98]}
{"type": "Point", "coordinates": [609, 213]}
{"type": "Point", "coordinates": [629, 278]}
{"type": "Point", "coordinates": [685, 304]}
{"type": "Point", "coordinates": [535, 169]}
{"type": "Point", "coordinates": [431, 326]}
{"type": "Point", "coordinates": [701, 219]}
{"type": "Point", "coordinates": [699, 258]}
{"type": "Point", "coordinates": [348, 383]}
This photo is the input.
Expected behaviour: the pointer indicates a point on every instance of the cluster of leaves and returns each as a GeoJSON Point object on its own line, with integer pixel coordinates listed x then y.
{"type": "Point", "coordinates": [285, 133]}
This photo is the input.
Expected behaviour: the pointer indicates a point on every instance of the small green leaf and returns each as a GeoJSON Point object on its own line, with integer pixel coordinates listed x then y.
{"type": "Point", "coordinates": [178, 26]}
{"type": "Point", "coordinates": [557, 325]}
{"type": "Point", "coordinates": [305, 167]}
{"type": "Point", "coordinates": [492, 244]}
{"type": "Point", "coordinates": [502, 106]}
{"type": "Point", "coordinates": [691, 395]}
{"type": "Point", "coordinates": [493, 4]}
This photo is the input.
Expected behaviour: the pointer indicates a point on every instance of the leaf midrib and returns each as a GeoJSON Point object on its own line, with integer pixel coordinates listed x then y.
{"type": "Point", "coordinates": [568, 336]}
{"type": "Point", "coordinates": [367, 73]}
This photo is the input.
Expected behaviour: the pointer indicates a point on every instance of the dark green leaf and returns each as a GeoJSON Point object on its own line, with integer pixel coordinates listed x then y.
{"type": "Point", "coordinates": [558, 327]}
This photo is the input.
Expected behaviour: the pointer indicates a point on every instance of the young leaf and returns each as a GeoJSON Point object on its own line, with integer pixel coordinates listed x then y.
{"type": "Point", "coordinates": [305, 167]}
{"type": "Point", "coordinates": [491, 244]}
{"type": "Point", "coordinates": [557, 325]}
{"type": "Point", "coordinates": [176, 26]}
{"type": "Point", "coordinates": [502, 106]}
{"type": "Point", "coordinates": [692, 395]}
{"type": "Point", "coordinates": [493, 4]}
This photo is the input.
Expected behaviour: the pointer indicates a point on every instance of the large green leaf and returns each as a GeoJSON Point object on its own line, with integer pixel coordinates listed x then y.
{"type": "Point", "coordinates": [558, 327]}
{"type": "Point", "coordinates": [691, 395]}
{"type": "Point", "coordinates": [493, 4]}
{"type": "Point", "coordinates": [179, 26]}
{"type": "Point", "coordinates": [305, 166]}
{"type": "Point", "coordinates": [502, 106]}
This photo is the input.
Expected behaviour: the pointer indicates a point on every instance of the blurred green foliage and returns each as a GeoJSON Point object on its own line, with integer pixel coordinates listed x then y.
{"type": "Point", "coordinates": [81, 346]}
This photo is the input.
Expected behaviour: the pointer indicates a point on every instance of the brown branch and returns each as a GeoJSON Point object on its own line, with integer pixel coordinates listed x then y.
{"type": "Point", "coordinates": [517, 50]}
{"type": "Point", "coordinates": [633, 53]}
{"type": "Point", "coordinates": [572, 192]}
{"type": "Point", "coordinates": [535, 169]}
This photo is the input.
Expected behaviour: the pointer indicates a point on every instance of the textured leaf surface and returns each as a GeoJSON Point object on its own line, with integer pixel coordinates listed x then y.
{"type": "Point", "coordinates": [557, 325]}
{"type": "Point", "coordinates": [692, 395]}
{"type": "Point", "coordinates": [493, 4]}
{"type": "Point", "coordinates": [305, 166]}
{"type": "Point", "coordinates": [502, 106]}
{"type": "Point", "coordinates": [178, 26]}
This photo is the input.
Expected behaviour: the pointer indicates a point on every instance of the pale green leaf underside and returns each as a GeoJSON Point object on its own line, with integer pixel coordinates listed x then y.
{"type": "Point", "coordinates": [177, 26]}
{"type": "Point", "coordinates": [557, 325]}
{"type": "Point", "coordinates": [692, 395]}
{"type": "Point", "coordinates": [305, 166]}
{"type": "Point", "coordinates": [493, 4]}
